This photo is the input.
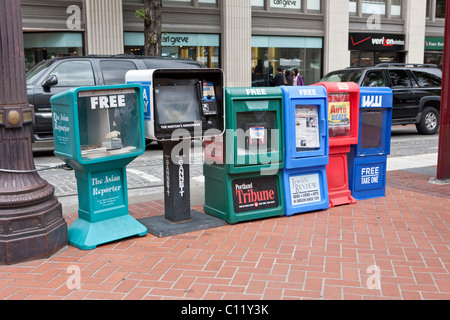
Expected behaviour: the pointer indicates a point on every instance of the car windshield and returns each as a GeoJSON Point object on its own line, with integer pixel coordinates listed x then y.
{"type": "Point", "coordinates": [350, 75]}
{"type": "Point", "coordinates": [34, 73]}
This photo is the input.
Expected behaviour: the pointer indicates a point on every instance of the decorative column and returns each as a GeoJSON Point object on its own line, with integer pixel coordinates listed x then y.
{"type": "Point", "coordinates": [415, 19]}
{"type": "Point", "coordinates": [31, 221]}
{"type": "Point", "coordinates": [336, 19]}
{"type": "Point", "coordinates": [104, 27]}
{"type": "Point", "coordinates": [236, 42]}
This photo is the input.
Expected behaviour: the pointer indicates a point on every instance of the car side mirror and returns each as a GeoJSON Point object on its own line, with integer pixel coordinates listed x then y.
{"type": "Point", "coordinates": [49, 82]}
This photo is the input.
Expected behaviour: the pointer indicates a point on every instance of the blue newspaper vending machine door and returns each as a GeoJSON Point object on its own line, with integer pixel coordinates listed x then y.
{"type": "Point", "coordinates": [306, 149]}
{"type": "Point", "coordinates": [367, 159]}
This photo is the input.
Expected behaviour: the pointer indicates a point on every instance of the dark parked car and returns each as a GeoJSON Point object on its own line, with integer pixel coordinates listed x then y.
{"type": "Point", "coordinates": [60, 74]}
{"type": "Point", "coordinates": [416, 89]}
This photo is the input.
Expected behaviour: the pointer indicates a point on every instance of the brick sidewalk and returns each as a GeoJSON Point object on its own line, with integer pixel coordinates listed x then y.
{"type": "Point", "coordinates": [318, 255]}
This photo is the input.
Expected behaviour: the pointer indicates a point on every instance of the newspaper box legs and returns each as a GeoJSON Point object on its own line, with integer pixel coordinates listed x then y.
{"type": "Point", "coordinates": [98, 131]}
{"type": "Point", "coordinates": [337, 174]}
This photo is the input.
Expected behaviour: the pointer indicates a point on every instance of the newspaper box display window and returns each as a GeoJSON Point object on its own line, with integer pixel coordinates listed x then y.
{"type": "Point", "coordinates": [106, 123]}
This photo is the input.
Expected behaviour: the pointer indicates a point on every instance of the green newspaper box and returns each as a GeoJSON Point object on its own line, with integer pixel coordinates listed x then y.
{"type": "Point", "coordinates": [243, 167]}
{"type": "Point", "coordinates": [98, 131]}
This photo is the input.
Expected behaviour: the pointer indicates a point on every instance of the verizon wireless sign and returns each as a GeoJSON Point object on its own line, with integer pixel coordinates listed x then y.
{"type": "Point", "coordinates": [376, 42]}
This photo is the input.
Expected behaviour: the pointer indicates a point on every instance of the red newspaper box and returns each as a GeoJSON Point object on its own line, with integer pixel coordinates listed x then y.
{"type": "Point", "coordinates": [343, 115]}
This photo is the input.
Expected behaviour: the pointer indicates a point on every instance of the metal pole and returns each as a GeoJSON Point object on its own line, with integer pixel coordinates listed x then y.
{"type": "Point", "coordinates": [443, 167]}
{"type": "Point", "coordinates": [31, 222]}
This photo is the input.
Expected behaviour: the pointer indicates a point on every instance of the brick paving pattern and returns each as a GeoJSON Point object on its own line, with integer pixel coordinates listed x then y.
{"type": "Point", "coordinates": [320, 255]}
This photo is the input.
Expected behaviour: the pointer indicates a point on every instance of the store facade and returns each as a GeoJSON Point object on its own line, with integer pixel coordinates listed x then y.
{"type": "Point", "coordinates": [204, 48]}
{"type": "Point", "coordinates": [249, 39]}
{"type": "Point", "coordinates": [52, 29]}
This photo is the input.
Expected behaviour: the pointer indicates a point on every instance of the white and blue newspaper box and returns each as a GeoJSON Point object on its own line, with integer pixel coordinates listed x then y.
{"type": "Point", "coordinates": [367, 159]}
{"type": "Point", "coordinates": [306, 149]}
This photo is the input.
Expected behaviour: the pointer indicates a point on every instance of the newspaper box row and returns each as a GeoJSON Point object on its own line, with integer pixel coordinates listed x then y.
{"type": "Point", "coordinates": [269, 152]}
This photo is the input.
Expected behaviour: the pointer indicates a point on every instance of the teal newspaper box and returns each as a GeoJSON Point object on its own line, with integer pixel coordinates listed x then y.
{"type": "Point", "coordinates": [98, 131]}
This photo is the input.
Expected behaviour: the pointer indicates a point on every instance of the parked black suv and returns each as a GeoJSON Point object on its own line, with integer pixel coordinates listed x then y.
{"type": "Point", "coordinates": [60, 74]}
{"type": "Point", "coordinates": [416, 89]}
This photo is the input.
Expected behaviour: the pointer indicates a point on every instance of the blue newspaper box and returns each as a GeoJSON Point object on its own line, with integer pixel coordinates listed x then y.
{"type": "Point", "coordinates": [367, 159]}
{"type": "Point", "coordinates": [306, 149]}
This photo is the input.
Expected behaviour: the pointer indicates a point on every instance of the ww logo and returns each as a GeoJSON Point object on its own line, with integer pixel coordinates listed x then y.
{"type": "Point", "coordinates": [371, 101]}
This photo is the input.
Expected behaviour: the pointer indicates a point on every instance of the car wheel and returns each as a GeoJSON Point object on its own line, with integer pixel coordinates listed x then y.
{"type": "Point", "coordinates": [429, 123]}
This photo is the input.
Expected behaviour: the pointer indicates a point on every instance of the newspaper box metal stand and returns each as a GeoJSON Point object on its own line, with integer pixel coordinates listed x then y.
{"type": "Point", "coordinates": [306, 149]}
{"type": "Point", "coordinates": [97, 132]}
{"type": "Point", "coordinates": [180, 105]}
{"type": "Point", "coordinates": [243, 169]}
{"type": "Point", "coordinates": [343, 123]}
{"type": "Point", "coordinates": [367, 160]}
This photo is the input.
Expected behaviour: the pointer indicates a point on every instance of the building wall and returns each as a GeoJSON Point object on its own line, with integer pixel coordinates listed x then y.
{"type": "Point", "coordinates": [77, 27]}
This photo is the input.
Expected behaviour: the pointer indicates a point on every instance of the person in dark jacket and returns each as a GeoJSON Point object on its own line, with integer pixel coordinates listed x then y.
{"type": "Point", "coordinates": [279, 77]}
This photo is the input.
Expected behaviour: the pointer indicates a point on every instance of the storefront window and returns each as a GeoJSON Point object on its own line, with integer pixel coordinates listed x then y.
{"type": "Point", "coordinates": [207, 2]}
{"type": "Point", "coordinates": [353, 7]}
{"type": "Point", "coordinates": [440, 9]}
{"type": "Point", "coordinates": [371, 58]}
{"type": "Point", "coordinates": [396, 8]}
{"type": "Point", "coordinates": [200, 47]}
{"type": "Point", "coordinates": [313, 5]}
{"type": "Point", "coordinates": [257, 3]}
{"type": "Point", "coordinates": [271, 52]}
{"type": "Point", "coordinates": [374, 7]}
{"type": "Point", "coordinates": [434, 57]}
{"type": "Point", "coordinates": [42, 46]}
